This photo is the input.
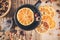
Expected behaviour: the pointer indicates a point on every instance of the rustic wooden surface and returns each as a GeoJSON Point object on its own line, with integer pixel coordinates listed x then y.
{"type": "Point", "coordinates": [35, 36]}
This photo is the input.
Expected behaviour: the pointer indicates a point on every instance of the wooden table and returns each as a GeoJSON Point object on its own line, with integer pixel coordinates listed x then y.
{"type": "Point", "coordinates": [30, 34]}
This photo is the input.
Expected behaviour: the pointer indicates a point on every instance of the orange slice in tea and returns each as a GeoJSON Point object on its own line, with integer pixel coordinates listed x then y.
{"type": "Point", "coordinates": [25, 16]}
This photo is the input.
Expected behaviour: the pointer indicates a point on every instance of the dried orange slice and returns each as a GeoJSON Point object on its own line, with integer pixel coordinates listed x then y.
{"type": "Point", "coordinates": [52, 24]}
{"type": "Point", "coordinates": [43, 27]}
{"type": "Point", "coordinates": [47, 10]}
{"type": "Point", "coordinates": [49, 20]}
{"type": "Point", "coordinates": [46, 18]}
{"type": "Point", "coordinates": [25, 16]}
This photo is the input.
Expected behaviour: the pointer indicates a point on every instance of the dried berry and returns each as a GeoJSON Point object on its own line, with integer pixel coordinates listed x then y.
{"type": "Point", "coordinates": [0, 36]}
{"type": "Point", "coordinates": [47, 1]}
{"type": "Point", "coordinates": [22, 33]}
{"type": "Point", "coordinates": [0, 13]}
{"type": "Point", "coordinates": [6, 8]}
{"type": "Point", "coordinates": [58, 34]}
{"type": "Point", "coordinates": [57, 10]}
{"type": "Point", "coordinates": [36, 15]}
{"type": "Point", "coordinates": [58, 4]}
{"type": "Point", "coordinates": [3, 11]}
{"type": "Point", "coordinates": [6, 3]}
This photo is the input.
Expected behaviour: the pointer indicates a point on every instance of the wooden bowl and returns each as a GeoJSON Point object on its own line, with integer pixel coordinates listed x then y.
{"type": "Point", "coordinates": [7, 9]}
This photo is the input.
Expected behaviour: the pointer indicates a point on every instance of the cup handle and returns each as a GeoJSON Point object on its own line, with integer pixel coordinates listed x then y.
{"type": "Point", "coordinates": [38, 3]}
